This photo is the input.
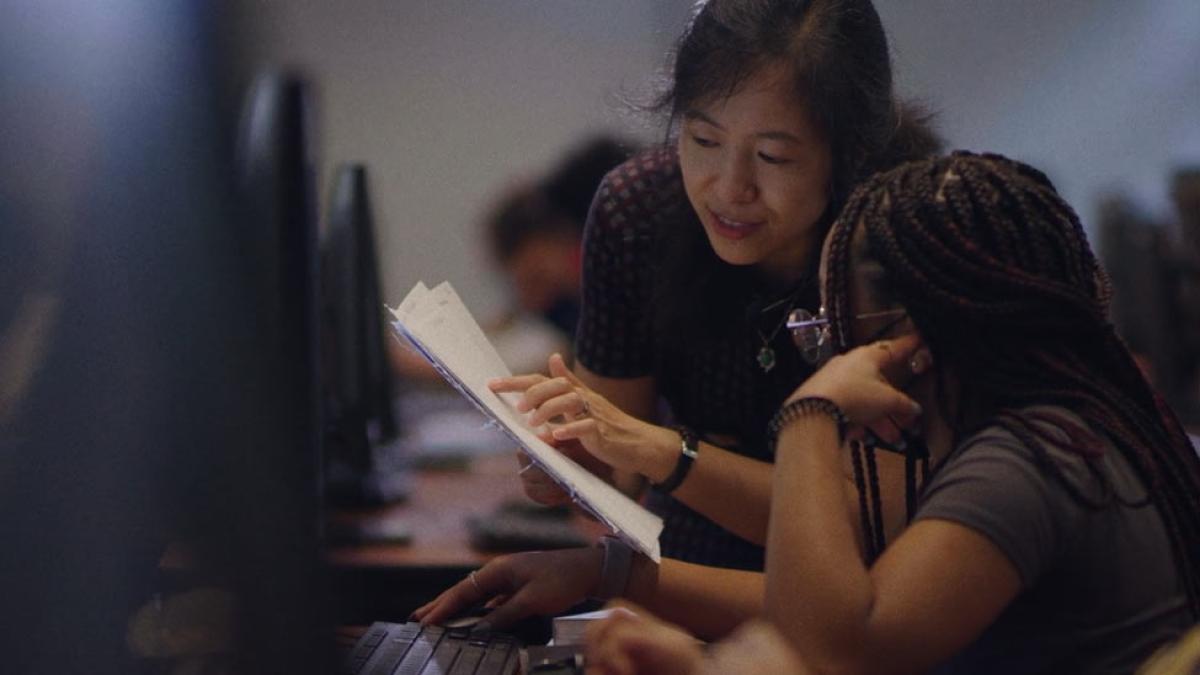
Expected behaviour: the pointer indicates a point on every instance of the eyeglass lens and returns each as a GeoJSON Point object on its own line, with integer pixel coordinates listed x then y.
{"type": "Point", "coordinates": [811, 337]}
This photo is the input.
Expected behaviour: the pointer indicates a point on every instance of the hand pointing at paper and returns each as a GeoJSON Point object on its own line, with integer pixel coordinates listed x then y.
{"type": "Point", "coordinates": [579, 418]}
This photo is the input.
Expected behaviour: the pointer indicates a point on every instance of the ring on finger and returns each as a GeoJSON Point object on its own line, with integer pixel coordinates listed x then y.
{"type": "Point", "coordinates": [475, 582]}
{"type": "Point", "coordinates": [585, 410]}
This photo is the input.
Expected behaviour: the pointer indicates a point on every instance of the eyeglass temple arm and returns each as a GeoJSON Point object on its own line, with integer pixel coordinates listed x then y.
{"type": "Point", "coordinates": [820, 321]}
{"type": "Point", "coordinates": [792, 325]}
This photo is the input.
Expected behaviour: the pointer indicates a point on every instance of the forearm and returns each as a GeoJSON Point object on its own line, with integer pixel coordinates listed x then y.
{"type": "Point", "coordinates": [630, 483]}
{"type": "Point", "coordinates": [818, 591]}
{"type": "Point", "coordinates": [729, 489]}
{"type": "Point", "coordinates": [708, 601]}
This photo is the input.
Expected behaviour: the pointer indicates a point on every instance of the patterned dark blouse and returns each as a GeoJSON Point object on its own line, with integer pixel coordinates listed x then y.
{"type": "Point", "coordinates": [717, 387]}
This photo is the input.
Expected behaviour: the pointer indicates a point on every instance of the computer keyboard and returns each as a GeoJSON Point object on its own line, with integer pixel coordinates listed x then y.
{"type": "Point", "coordinates": [413, 649]}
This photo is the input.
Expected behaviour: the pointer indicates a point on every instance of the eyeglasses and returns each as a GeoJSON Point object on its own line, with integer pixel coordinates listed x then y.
{"type": "Point", "coordinates": [811, 333]}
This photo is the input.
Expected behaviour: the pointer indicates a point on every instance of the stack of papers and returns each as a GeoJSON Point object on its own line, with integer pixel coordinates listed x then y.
{"type": "Point", "coordinates": [438, 324]}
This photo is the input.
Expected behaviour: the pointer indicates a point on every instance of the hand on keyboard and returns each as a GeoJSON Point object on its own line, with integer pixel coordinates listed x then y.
{"type": "Point", "coordinates": [520, 585]}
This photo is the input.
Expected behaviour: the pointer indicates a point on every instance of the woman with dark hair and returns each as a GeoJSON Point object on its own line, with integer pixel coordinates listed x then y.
{"type": "Point", "coordinates": [694, 254]}
{"type": "Point", "coordinates": [1058, 529]}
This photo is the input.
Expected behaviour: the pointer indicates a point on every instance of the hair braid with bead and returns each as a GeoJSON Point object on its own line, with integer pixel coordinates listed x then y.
{"type": "Point", "coordinates": [995, 271]}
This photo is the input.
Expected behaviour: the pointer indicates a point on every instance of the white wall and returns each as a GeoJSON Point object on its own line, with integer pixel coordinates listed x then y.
{"type": "Point", "coordinates": [446, 100]}
{"type": "Point", "coordinates": [1100, 94]}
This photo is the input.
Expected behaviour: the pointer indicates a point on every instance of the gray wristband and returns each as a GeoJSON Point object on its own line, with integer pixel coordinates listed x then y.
{"type": "Point", "coordinates": [614, 574]}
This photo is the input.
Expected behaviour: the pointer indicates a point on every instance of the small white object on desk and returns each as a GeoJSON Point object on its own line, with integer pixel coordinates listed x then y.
{"type": "Point", "coordinates": [570, 629]}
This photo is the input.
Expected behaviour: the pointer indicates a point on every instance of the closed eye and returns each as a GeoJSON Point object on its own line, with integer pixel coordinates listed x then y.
{"type": "Point", "coordinates": [703, 142]}
{"type": "Point", "coordinates": [772, 159]}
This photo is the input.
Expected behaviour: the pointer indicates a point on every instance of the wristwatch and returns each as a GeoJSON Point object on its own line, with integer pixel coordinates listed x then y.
{"type": "Point", "coordinates": [689, 448]}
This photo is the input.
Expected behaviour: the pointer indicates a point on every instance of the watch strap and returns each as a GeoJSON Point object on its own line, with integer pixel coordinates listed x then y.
{"type": "Point", "coordinates": [689, 449]}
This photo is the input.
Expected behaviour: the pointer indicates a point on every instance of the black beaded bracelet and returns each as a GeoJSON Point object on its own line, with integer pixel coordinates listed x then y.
{"type": "Point", "coordinates": [802, 407]}
{"type": "Point", "coordinates": [689, 448]}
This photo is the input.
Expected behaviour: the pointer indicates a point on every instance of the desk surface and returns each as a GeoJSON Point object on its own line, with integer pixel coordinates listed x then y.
{"type": "Point", "coordinates": [437, 512]}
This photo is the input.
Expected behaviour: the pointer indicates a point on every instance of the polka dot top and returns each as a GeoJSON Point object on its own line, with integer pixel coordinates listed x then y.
{"type": "Point", "coordinates": [714, 386]}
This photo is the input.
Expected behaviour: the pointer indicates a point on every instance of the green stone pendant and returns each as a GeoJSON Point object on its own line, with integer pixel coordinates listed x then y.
{"type": "Point", "coordinates": [766, 358]}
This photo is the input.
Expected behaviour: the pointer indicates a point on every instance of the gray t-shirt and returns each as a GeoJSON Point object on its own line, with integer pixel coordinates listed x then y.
{"type": "Point", "coordinates": [1101, 589]}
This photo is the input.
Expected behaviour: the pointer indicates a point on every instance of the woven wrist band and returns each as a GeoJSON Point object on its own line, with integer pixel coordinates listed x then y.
{"type": "Point", "coordinates": [804, 407]}
{"type": "Point", "coordinates": [614, 574]}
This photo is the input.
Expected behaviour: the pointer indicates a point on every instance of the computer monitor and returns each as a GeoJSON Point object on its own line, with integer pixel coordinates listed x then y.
{"type": "Point", "coordinates": [141, 402]}
{"type": "Point", "coordinates": [357, 378]}
{"type": "Point", "coordinates": [275, 193]}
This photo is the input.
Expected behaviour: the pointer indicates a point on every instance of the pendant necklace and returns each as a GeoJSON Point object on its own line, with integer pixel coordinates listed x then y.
{"type": "Point", "coordinates": [766, 354]}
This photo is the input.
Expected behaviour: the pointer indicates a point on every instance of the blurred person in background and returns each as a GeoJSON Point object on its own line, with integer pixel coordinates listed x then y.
{"type": "Point", "coordinates": [534, 233]}
{"type": "Point", "coordinates": [1155, 272]}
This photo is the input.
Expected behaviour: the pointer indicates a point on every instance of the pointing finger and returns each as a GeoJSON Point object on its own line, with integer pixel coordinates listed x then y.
{"type": "Point", "coordinates": [514, 383]}
{"type": "Point", "coordinates": [558, 368]}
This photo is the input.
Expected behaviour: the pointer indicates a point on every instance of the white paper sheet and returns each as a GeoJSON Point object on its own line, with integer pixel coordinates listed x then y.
{"type": "Point", "coordinates": [438, 324]}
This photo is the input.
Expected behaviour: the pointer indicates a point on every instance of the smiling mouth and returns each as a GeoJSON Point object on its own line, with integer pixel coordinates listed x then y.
{"type": "Point", "coordinates": [734, 229]}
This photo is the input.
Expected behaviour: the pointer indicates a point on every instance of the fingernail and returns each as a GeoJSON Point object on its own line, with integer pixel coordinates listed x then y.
{"type": "Point", "coordinates": [917, 409]}
{"type": "Point", "coordinates": [559, 434]}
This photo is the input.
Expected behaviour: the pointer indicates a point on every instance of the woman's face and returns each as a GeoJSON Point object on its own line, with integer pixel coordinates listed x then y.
{"type": "Point", "coordinates": [758, 173]}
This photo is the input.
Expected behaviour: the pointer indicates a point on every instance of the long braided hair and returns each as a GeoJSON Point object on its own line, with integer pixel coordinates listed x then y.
{"type": "Point", "coordinates": [995, 270]}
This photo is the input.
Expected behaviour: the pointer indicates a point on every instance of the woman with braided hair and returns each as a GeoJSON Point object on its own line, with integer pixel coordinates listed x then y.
{"type": "Point", "coordinates": [1058, 527]}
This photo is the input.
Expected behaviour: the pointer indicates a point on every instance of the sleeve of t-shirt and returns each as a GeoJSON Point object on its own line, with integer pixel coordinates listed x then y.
{"type": "Point", "coordinates": [993, 486]}
{"type": "Point", "coordinates": [614, 332]}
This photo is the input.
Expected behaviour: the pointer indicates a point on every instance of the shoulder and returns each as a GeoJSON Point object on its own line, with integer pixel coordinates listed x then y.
{"type": "Point", "coordinates": [1023, 496]}
{"type": "Point", "coordinates": [1048, 443]}
{"type": "Point", "coordinates": [648, 185]}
